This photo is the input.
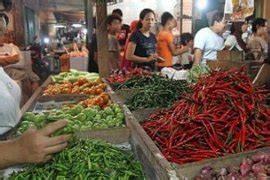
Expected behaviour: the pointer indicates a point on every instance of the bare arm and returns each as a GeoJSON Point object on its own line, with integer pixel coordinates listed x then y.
{"type": "Point", "coordinates": [198, 54]}
{"type": "Point", "coordinates": [34, 146]}
{"type": "Point", "coordinates": [132, 57]}
{"type": "Point", "coordinates": [9, 60]}
{"type": "Point", "coordinates": [178, 51]}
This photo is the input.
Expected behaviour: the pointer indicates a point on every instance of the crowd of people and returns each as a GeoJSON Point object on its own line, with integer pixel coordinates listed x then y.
{"type": "Point", "coordinates": [136, 46]}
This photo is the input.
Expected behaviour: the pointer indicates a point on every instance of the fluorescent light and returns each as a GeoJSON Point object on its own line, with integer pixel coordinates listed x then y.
{"type": "Point", "coordinates": [77, 25]}
{"type": "Point", "coordinates": [46, 40]}
{"type": "Point", "coordinates": [202, 4]}
{"type": "Point", "coordinates": [59, 26]}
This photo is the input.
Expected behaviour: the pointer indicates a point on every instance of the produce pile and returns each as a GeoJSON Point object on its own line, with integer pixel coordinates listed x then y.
{"type": "Point", "coordinates": [78, 118]}
{"type": "Point", "coordinates": [225, 114]}
{"type": "Point", "coordinates": [196, 72]}
{"type": "Point", "coordinates": [80, 86]}
{"type": "Point", "coordinates": [124, 75]}
{"type": "Point", "coordinates": [86, 159]}
{"type": "Point", "coordinates": [102, 100]}
{"type": "Point", "coordinates": [159, 92]}
{"type": "Point", "coordinates": [255, 167]}
{"type": "Point", "coordinates": [139, 82]}
{"type": "Point", "coordinates": [74, 76]}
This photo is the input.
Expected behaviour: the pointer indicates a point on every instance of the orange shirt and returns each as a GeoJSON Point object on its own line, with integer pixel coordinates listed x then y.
{"type": "Point", "coordinates": [164, 38]}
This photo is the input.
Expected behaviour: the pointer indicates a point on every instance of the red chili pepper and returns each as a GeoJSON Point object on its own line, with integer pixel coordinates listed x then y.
{"type": "Point", "coordinates": [224, 114]}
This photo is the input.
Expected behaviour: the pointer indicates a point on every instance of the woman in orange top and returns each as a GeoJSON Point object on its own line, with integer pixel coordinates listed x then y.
{"type": "Point", "coordinates": [165, 46]}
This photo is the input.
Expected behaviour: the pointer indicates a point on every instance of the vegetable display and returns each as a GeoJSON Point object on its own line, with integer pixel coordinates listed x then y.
{"type": "Point", "coordinates": [124, 75]}
{"type": "Point", "coordinates": [162, 92]}
{"type": "Point", "coordinates": [81, 86]}
{"type": "Point", "coordinates": [73, 76]}
{"type": "Point", "coordinates": [254, 167]}
{"type": "Point", "coordinates": [196, 71]}
{"type": "Point", "coordinates": [225, 114]}
{"type": "Point", "coordinates": [102, 100]}
{"type": "Point", "coordinates": [78, 118]}
{"type": "Point", "coordinates": [86, 159]}
{"type": "Point", "coordinates": [140, 82]}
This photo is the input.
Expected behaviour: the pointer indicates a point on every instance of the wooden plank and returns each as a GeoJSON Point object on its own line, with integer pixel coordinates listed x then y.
{"type": "Point", "coordinates": [33, 98]}
{"type": "Point", "coordinates": [190, 170]}
{"type": "Point", "coordinates": [47, 82]}
{"type": "Point", "coordinates": [156, 165]}
{"type": "Point", "coordinates": [263, 76]}
{"type": "Point", "coordinates": [113, 135]}
{"type": "Point", "coordinates": [102, 39]}
{"type": "Point", "coordinates": [35, 95]}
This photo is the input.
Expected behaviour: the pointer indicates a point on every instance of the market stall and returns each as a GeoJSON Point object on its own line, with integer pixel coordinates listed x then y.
{"type": "Point", "coordinates": [177, 133]}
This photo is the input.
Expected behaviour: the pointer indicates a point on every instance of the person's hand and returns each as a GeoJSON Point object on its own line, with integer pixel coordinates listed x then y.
{"type": "Point", "coordinates": [160, 59]}
{"type": "Point", "coordinates": [152, 57]}
{"type": "Point", "coordinates": [37, 146]}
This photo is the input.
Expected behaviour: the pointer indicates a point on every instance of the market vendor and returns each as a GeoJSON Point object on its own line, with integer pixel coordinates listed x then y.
{"type": "Point", "coordinates": [34, 146]}
{"type": "Point", "coordinates": [141, 49]}
{"type": "Point", "coordinates": [208, 41]}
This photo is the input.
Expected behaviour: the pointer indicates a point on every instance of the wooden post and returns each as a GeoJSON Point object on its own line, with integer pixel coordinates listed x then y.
{"type": "Point", "coordinates": [102, 39]}
{"type": "Point", "coordinates": [19, 23]}
{"type": "Point", "coordinates": [266, 12]}
{"type": "Point", "coordinates": [89, 20]}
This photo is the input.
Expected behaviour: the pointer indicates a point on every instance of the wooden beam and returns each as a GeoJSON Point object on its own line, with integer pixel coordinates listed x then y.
{"type": "Point", "coordinates": [266, 7]}
{"type": "Point", "coordinates": [19, 23]}
{"type": "Point", "coordinates": [89, 20]}
{"type": "Point", "coordinates": [102, 39]}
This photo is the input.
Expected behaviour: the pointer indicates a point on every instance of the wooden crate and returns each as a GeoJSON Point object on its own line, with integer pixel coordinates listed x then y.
{"type": "Point", "coordinates": [155, 164]}
{"type": "Point", "coordinates": [190, 170]}
{"type": "Point", "coordinates": [143, 114]}
{"type": "Point", "coordinates": [120, 96]}
{"type": "Point", "coordinates": [227, 55]}
{"type": "Point", "coordinates": [225, 65]}
{"type": "Point", "coordinates": [111, 133]}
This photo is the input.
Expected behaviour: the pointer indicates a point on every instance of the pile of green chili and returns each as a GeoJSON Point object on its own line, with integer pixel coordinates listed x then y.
{"type": "Point", "coordinates": [86, 159]}
{"type": "Point", "coordinates": [140, 82]}
{"type": "Point", "coordinates": [159, 94]}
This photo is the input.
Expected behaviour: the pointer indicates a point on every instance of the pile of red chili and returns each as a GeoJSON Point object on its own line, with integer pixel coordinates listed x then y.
{"type": "Point", "coordinates": [225, 114]}
{"type": "Point", "coordinates": [124, 75]}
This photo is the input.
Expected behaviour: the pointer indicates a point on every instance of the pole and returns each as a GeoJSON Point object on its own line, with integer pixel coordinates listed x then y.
{"type": "Point", "coordinates": [102, 39]}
